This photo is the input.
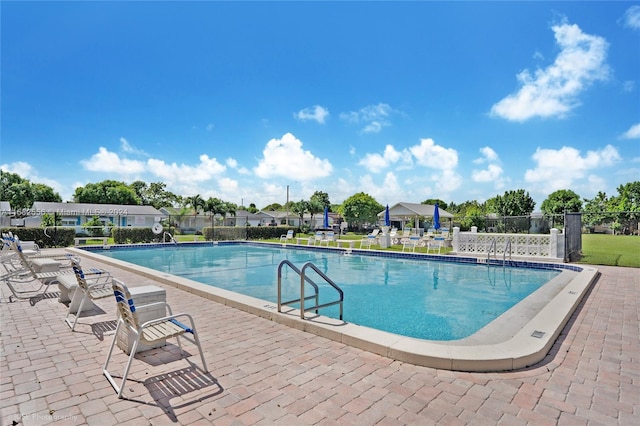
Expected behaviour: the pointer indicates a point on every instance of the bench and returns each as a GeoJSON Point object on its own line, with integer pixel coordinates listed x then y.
{"type": "Point", "coordinates": [84, 240]}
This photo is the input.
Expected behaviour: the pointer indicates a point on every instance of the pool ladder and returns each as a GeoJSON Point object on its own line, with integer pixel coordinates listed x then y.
{"type": "Point", "coordinates": [493, 246]}
{"type": "Point", "coordinates": [171, 239]}
{"type": "Point", "coordinates": [305, 279]}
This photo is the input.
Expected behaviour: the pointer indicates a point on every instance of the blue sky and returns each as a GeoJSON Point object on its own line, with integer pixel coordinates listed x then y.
{"type": "Point", "coordinates": [402, 100]}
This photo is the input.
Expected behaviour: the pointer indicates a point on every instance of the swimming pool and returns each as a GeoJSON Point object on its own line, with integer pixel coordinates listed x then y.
{"type": "Point", "coordinates": [417, 298]}
{"type": "Point", "coordinates": [519, 338]}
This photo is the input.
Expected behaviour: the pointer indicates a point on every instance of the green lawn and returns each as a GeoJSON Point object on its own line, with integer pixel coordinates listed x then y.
{"type": "Point", "coordinates": [612, 250]}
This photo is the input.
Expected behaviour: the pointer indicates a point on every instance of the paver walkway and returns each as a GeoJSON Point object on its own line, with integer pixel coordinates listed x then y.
{"type": "Point", "coordinates": [265, 373]}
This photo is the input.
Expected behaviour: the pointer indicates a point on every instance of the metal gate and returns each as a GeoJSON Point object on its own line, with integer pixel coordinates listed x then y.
{"type": "Point", "coordinates": [572, 236]}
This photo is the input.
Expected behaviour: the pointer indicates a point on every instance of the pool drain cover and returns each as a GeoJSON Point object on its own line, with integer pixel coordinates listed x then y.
{"type": "Point", "coordinates": [538, 334]}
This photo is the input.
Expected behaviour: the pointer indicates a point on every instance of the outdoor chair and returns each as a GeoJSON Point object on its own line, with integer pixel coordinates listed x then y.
{"type": "Point", "coordinates": [368, 241]}
{"type": "Point", "coordinates": [287, 236]}
{"type": "Point", "coordinates": [412, 242]}
{"type": "Point", "coordinates": [149, 332]}
{"type": "Point", "coordinates": [98, 286]}
{"type": "Point", "coordinates": [436, 243]}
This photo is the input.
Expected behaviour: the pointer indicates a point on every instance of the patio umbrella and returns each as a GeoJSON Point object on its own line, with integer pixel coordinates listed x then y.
{"type": "Point", "coordinates": [387, 219]}
{"type": "Point", "coordinates": [436, 217]}
{"type": "Point", "coordinates": [325, 222]}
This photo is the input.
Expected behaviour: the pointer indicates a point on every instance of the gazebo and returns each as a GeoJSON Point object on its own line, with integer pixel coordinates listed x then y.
{"type": "Point", "coordinates": [404, 212]}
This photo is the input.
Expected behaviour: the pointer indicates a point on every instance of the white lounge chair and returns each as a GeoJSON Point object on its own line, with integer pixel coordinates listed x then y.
{"type": "Point", "coordinates": [412, 242]}
{"type": "Point", "coordinates": [288, 236]}
{"type": "Point", "coordinates": [149, 332]}
{"type": "Point", "coordinates": [368, 241]}
{"type": "Point", "coordinates": [328, 238]}
{"type": "Point", "coordinates": [436, 243]}
{"type": "Point", "coordinates": [98, 286]}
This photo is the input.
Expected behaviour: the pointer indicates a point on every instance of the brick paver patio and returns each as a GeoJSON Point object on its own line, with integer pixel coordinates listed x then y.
{"type": "Point", "coordinates": [264, 373]}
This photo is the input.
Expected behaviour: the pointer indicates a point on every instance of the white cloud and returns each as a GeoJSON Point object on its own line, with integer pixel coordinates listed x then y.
{"type": "Point", "coordinates": [488, 155]}
{"type": "Point", "coordinates": [492, 173]}
{"type": "Point", "coordinates": [375, 163]}
{"type": "Point", "coordinates": [561, 168]}
{"type": "Point", "coordinates": [434, 156]}
{"type": "Point", "coordinates": [632, 17]}
{"type": "Point", "coordinates": [129, 149]}
{"type": "Point", "coordinates": [373, 117]}
{"type": "Point", "coordinates": [21, 168]}
{"type": "Point", "coordinates": [110, 162]}
{"type": "Point", "coordinates": [207, 169]}
{"type": "Point", "coordinates": [210, 127]}
{"type": "Point", "coordinates": [553, 92]}
{"type": "Point", "coordinates": [633, 132]}
{"type": "Point", "coordinates": [285, 157]}
{"type": "Point", "coordinates": [232, 163]}
{"type": "Point", "coordinates": [315, 113]}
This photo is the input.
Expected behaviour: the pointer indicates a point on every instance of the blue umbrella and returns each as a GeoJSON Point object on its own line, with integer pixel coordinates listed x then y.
{"type": "Point", "coordinates": [325, 222]}
{"type": "Point", "coordinates": [436, 217]}
{"type": "Point", "coordinates": [387, 219]}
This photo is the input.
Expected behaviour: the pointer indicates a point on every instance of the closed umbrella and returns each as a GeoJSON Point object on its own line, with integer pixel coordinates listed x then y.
{"type": "Point", "coordinates": [325, 222]}
{"type": "Point", "coordinates": [436, 217]}
{"type": "Point", "coordinates": [387, 219]}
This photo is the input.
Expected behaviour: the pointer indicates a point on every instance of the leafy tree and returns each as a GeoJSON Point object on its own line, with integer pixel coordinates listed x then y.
{"type": "Point", "coordinates": [252, 208]}
{"type": "Point", "coordinates": [95, 227]}
{"type": "Point", "coordinates": [360, 208]}
{"type": "Point", "coordinates": [21, 193]}
{"type": "Point", "coordinates": [141, 188]}
{"type": "Point", "coordinates": [558, 202]}
{"type": "Point", "coordinates": [157, 195]}
{"type": "Point", "coordinates": [273, 207]}
{"type": "Point", "coordinates": [106, 192]}
{"type": "Point", "coordinates": [595, 209]}
{"type": "Point", "coordinates": [512, 203]}
{"type": "Point", "coordinates": [433, 201]}
{"type": "Point", "coordinates": [49, 219]}
{"type": "Point", "coordinates": [43, 192]}
{"type": "Point", "coordinates": [322, 198]}
{"type": "Point", "coordinates": [627, 203]}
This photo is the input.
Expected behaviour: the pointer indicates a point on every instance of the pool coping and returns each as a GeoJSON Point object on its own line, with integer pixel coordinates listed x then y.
{"type": "Point", "coordinates": [526, 347]}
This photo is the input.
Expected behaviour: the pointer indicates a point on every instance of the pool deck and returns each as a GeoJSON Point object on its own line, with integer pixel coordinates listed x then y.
{"type": "Point", "coordinates": [264, 372]}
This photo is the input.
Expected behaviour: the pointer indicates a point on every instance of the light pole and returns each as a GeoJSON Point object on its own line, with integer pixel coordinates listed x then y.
{"type": "Point", "coordinates": [287, 218]}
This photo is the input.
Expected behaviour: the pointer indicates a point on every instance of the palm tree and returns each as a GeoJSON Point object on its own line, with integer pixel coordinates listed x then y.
{"type": "Point", "coordinates": [215, 206]}
{"type": "Point", "coordinates": [195, 202]}
{"type": "Point", "coordinates": [315, 207]}
{"type": "Point", "coordinates": [300, 208]}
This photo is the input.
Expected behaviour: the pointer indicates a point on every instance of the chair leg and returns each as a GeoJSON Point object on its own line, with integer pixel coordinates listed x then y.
{"type": "Point", "coordinates": [196, 339]}
{"type": "Point", "coordinates": [75, 321]}
{"type": "Point", "coordinates": [119, 389]}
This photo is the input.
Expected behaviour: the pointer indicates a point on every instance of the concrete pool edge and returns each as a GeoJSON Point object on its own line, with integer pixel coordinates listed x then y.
{"type": "Point", "coordinates": [527, 347]}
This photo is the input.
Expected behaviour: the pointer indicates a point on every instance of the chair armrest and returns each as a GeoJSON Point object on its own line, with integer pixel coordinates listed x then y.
{"type": "Point", "coordinates": [169, 318]}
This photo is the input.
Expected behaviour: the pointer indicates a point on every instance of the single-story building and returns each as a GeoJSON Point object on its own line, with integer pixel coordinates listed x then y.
{"type": "Point", "coordinates": [77, 214]}
{"type": "Point", "coordinates": [5, 213]}
{"type": "Point", "coordinates": [401, 213]}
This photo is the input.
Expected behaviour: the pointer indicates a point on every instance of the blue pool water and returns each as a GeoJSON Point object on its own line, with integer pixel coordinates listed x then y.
{"type": "Point", "coordinates": [426, 299]}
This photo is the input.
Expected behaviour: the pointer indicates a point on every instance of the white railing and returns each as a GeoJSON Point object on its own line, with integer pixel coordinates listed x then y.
{"type": "Point", "coordinates": [550, 246]}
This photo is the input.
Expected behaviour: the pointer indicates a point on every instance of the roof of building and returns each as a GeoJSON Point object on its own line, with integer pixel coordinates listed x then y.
{"type": "Point", "coordinates": [88, 209]}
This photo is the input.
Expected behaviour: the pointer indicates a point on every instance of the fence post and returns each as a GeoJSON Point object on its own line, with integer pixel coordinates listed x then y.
{"type": "Point", "coordinates": [553, 250]}
{"type": "Point", "coordinates": [456, 239]}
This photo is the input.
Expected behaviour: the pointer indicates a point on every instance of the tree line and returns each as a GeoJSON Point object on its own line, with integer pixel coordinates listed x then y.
{"type": "Point", "coordinates": [621, 210]}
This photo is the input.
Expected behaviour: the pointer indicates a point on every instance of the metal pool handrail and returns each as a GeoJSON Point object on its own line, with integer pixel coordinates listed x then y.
{"type": "Point", "coordinates": [304, 278]}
